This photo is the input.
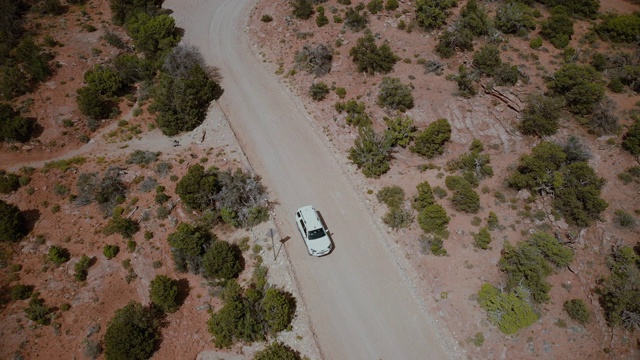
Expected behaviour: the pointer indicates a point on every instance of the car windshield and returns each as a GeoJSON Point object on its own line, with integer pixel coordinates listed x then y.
{"type": "Point", "coordinates": [316, 234]}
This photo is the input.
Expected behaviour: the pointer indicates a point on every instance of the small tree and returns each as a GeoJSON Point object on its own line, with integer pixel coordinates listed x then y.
{"type": "Point", "coordinates": [487, 59]}
{"type": "Point", "coordinates": [356, 113]}
{"type": "Point", "coordinates": [449, 42]}
{"type": "Point", "coordinates": [400, 131]}
{"type": "Point", "coordinates": [464, 79]}
{"type": "Point", "coordinates": [318, 91]}
{"type": "Point", "coordinates": [541, 115]}
{"type": "Point", "coordinates": [164, 293]}
{"type": "Point", "coordinates": [123, 226]}
{"type": "Point", "coordinates": [277, 351]}
{"type": "Point", "coordinates": [316, 59]}
{"type": "Point", "coordinates": [132, 333]}
{"type": "Point", "coordinates": [220, 262]}
{"type": "Point", "coordinates": [37, 311]}
{"type": "Point", "coordinates": [515, 18]}
{"type": "Point", "coordinates": [580, 85]}
{"type": "Point", "coordinates": [371, 152]}
{"type": "Point", "coordinates": [110, 251]}
{"type": "Point", "coordinates": [433, 219]}
{"type": "Point", "coordinates": [392, 196]}
{"type": "Point", "coordinates": [424, 197]}
{"type": "Point", "coordinates": [14, 127]}
{"type": "Point", "coordinates": [482, 239]}
{"type": "Point", "coordinates": [395, 95]}
{"type": "Point", "coordinates": [188, 244]}
{"type": "Point", "coordinates": [302, 9]}
{"type": "Point", "coordinates": [558, 28]}
{"type": "Point", "coordinates": [12, 223]}
{"type": "Point", "coordinates": [58, 255]}
{"type": "Point", "coordinates": [631, 139]}
{"type": "Point", "coordinates": [509, 311]}
{"type": "Point", "coordinates": [430, 141]}
{"type": "Point", "coordinates": [577, 310]}
{"type": "Point", "coordinates": [370, 58]}
{"type": "Point", "coordinates": [432, 14]}
{"type": "Point", "coordinates": [278, 308]}
{"type": "Point", "coordinates": [198, 187]}
{"type": "Point", "coordinates": [82, 268]}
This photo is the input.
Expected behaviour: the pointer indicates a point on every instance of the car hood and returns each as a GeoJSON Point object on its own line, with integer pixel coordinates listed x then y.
{"type": "Point", "coordinates": [321, 245]}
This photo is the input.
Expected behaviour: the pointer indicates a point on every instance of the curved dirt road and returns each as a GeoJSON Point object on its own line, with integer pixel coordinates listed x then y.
{"type": "Point", "coordinates": [359, 303]}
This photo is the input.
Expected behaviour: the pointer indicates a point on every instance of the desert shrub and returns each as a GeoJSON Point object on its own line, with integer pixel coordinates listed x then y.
{"type": "Point", "coordinates": [124, 226]}
{"type": "Point", "coordinates": [221, 262]}
{"type": "Point", "coordinates": [276, 351]}
{"type": "Point", "coordinates": [354, 20]}
{"type": "Point", "coordinates": [302, 9]}
{"type": "Point", "coordinates": [397, 218]}
{"type": "Point", "coordinates": [433, 219]}
{"type": "Point", "coordinates": [515, 18]}
{"type": "Point", "coordinates": [464, 79]}
{"type": "Point", "coordinates": [110, 251]}
{"type": "Point", "coordinates": [318, 91]}
{"type": "Point", "coordinates": [20, 292]}
{"type": "Point", "coordinates": [371, 152]}
{"type": "Point", "coordinates": [492, 221]}
{"type": "Point", "coordinates": [631, 139]}
{"type": "Point", "coordinates": [527, 263]}
{"type": "Point", "coordinates": [316, 59]}
{"type": "Point", "coordinates": [82, 268]}
{"type": "Point", "coordinates": [616, 85]}
{"type": "Point", "coordinates": [198, 187]}
{"type": "Point", "coordinates": [400, 131]}
{"type": "Point", "coordinates": [266, 18]}
{"type": "Point", "coordinates": [91, 103]}
{"type": "Point", "coordinates": [142, 157]}
{"type": "Point", "coordinates": [9, 182]}
{"type": "Point", "coordinates": [482, 239]}
{"type": "Point", "coordinates": [188, 245]}
{"type": "Point", "coordinates": [558, 29]}
{"type": "Point", "coordinates": [507, 75]}
{"type": "Point", "coordinates": [12, 223]}
{"type": "Point", "coordinates": [392, 196]}
{"type": "Point", "coordinates": [474, 18]}
{"type": "Point", "coordinates": [14, 127]}
{"type": "Point", "coordinates": [432, 244]}
{"type": "Point", "coordinates": [424, 197]}
{"type": "Point", "coordinates": [278, 308]}
{"type": "Point", "coordinates": [449, 42]}
{"type": "Point", "coordinates": [244, 194]}
{"type": "Point", "coordinates": [322, 20]}
{"type": "Point", "coordinates": [356, 114]}
{"type": "Point", "coordinates": [430, 141]}
{"type": "Point", "coordinates": [579, 85]}
{"type": "Point", "coordinates": [535, 43]}
{"type": "Point", "coordinates": [37, 311]}
{"type": "Point", "coordinates": [132, 333]}
{"type": "Point", "coordinates": [509, 311]}
{"type": "Point", "coordinates": [474, 165]}
{"type": "Point", "coordinates": [395, 95]}
{"type": "Point", "coordinates": [163, 293]}
{"type": "Point", "coordinates": [433, 14]}
{"type": "Point", "coordinates": [541, 115]}
{"type": "Point", "coordinates": [122, 10]}
{"type": "Point", "coordinates": [104, 80]}
{"type": "Point", "coordinates": [113, 39]}
{"type": "Point", "coordinates": [181, 102]}
{"type": "Point", "coordinates": [620, 27]}
{"type": "Point", "coordinates": [155, 36]}
{"type": "Point", "coordinates": [465, 199]}
{"type": "Point", "coordinates": [33, 60]}
{"type": "Point", "coordinates": [603, 119]}
{"type": "Point", "coordinates": [133, 68]}
{"type": "Point", "coordinates": [391, 5]}
{"type": "Point", "coordinates": [619, 292]}
{"type": "Point", "coordinates": [375, 6]}
{"type": "Point", "coordinates": [370, 58]}
{"type": "Point", "coordinates": [487, 59]}
{"type": "Point", "coordinates": [577, 310]}
{"type": "Point", "coordinates": [58, 255]}
{"type": "Point", "coordinates": [624, 219]}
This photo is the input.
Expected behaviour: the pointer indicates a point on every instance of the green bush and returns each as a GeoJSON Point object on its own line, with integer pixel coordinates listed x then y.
{"type": "Point", "coordinates": [465, 199]}
{"type": "Point", "coordinates": [318, 91]}
{"type": "Point", "coordinates": [356, 114]}
{"type": "Point", "coordinates": [400, 131]}
{"type": "Point", "coordinates": [198, 187]}
{"type": "Point", "coordinates": [631, 139]}
{"type": "Point", "coordinates": [558, 29]}
{"type": "Point", "coordinates": [221, 262]}
{"type": "Point", "coordinates": [163, 293]}
{"type": "Point", "coordinates": [430, 141]}
{"type": "Point", "coordinates": [474, 18]}
{"type": "Point", "coordinates": [132, 333]}
{"type": "Point", "coordinates": [482, 239]}
{"type": "Point", "coordinates": [82, 267]}
{"type": "Point", "coordinates": [278, 308]}
{"type": "Point", "coordinates": [424, 197]}
{"type": "Point", "coordinates": [527, 263]}
{"type": "Point", "coordinates": [104, 80]}
{"type": "Point", "coordinates": [243, 194]}
{"type": "Point", "coordinates": [487, 59]}
{"type": "Point", "coordinates": [392, 196]}
{"type": "Point", "coordinates": [397, 218]}
{"type": "Point", "coordinates": [276, 351]}
{"type": "Point", "coordinates": [451, 41]}
{"type": "Point", "coordinates": [371, 152]}
{"type": "Point", "coordinates": [110, 251]}
{"type": "Point", "coordinates": [370, 58]}
{"type": "Point", "coordinates": [58, 255]}
{"type": "Point", "coordinates": [474, 165]}
{"type": "Point", "coordinates": [266, 18]}
{"type": "Point", "coordinates": [580, 85]}
{"type": "Point", "coordinates": [603, 120]}
{"type": "Point", "coordinates": [122, 10]}
{"type": "Point", "coordinates": [433, 14]}
{"type": "Point", "coordinates": [355, 20]}
{"type": "Point", "coordinates": [181, 102]}
{"type": "Point", "coordinates": [37, 311]}
{"type": "Point", "coordinates": [322, 20]}
{"type": "Point", "coordinates": [515, 18]}
{"type": "Point", "coordinates": [12, 223]}
{"type": "Point", "coordinates": [577, 310]}
{"type": "Point", "coordinates": [541, 115]}
{"type": "Point", "coordinates": [123, 226]}
{"type": "Point", "coordinates": [14, 127]}
{"type": "Point", "coordinates": [619, 292]}
{"type": "Point", "coordinates": [155, 35]}
{"type": "Point", "coordinates": [375, 6]}
{"type": "Point", "coordinates": [20, 292]}
{"type": "Point", "coordinates": [142, 157]}
{"type": "Point", "coordinates": [391, 5]}
{"type": "Point", "coordinates": [9, 182]}
{"type": "Point", "coordinates": [492, 221]}
{"type": "Point", "coordinates": [623, 219]}
{"type": "Point", "coordinates": [464, 79]}
{"type": "Point", "coordinates": [92, 104]}
{"type": "Point", "coordinates": [188, 246]}
{"type": "Point", "coordinates": [535, 43]}
{"type": "Point", "coordinates": [620, 27]}
{"type": "Point", "coordinates": [509, 311]}
{"type": "Point", "coordinates": [433, 219]}
{"type": "Point", "coordinates": [395, 95]}
{"type": "Point", "coordinates": [302, 9]}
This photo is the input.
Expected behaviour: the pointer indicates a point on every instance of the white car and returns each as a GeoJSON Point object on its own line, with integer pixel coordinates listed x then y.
{"type": "Point", "coordinates": [314, 234]}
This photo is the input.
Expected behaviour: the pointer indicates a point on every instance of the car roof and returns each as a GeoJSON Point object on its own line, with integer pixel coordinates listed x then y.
{"type": "Point", "coordinates": [310, 216]}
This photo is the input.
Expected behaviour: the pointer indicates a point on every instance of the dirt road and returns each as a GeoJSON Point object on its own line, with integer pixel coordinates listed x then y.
{"type": "Point", "coordinates": [360, 304]}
